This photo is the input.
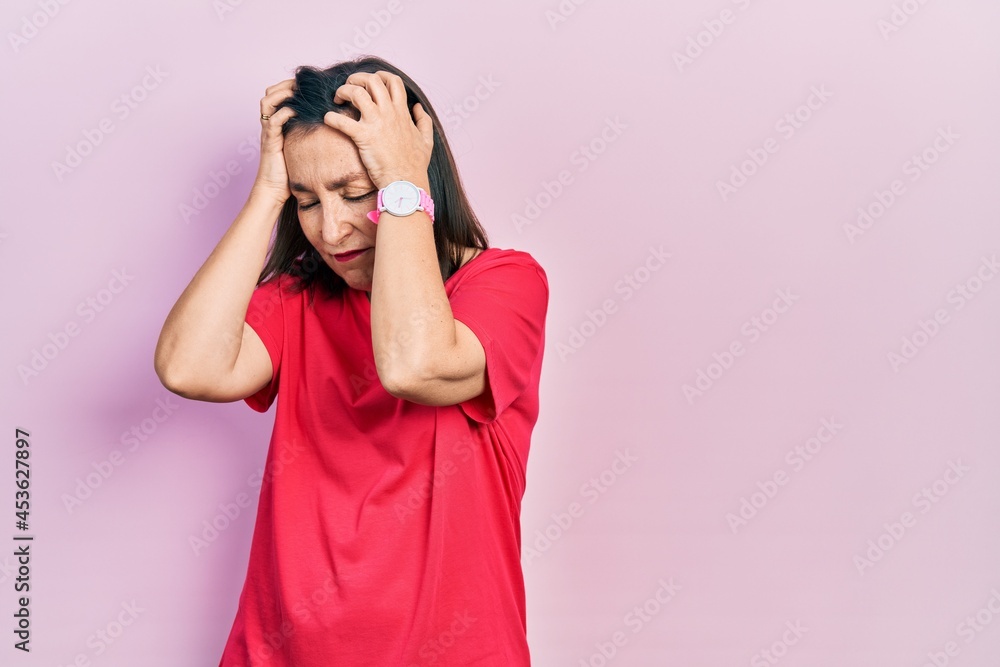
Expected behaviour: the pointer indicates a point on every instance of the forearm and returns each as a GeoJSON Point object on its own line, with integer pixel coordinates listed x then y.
{"type": "Point", "coordinates": [411, 318]}
{"type": "Point", "coordinates": [202, 334]}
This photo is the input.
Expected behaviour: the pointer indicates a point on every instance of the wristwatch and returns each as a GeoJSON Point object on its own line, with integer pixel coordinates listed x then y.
{"type": "Point", "coordinates": [402, 198]}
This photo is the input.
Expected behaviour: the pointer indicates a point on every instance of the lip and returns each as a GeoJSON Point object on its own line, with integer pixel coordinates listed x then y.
{"type": "Point", "coordinates": [348, 256]}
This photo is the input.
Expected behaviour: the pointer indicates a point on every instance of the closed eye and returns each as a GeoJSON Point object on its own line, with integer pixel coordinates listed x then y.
{"type": "Point", "coordinates": [306, 207]}
{"type": "Point", "coordinates": [362, 197]}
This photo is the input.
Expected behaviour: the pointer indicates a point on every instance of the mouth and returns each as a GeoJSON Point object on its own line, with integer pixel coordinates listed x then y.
{"type": "Point", "coordinates": [348, 256]}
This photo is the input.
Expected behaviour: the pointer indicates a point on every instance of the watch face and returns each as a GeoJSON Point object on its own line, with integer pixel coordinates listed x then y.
{"type": "Point", "coordinates": [401, 198]}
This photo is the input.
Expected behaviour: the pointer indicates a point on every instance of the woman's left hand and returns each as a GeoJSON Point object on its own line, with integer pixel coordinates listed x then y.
{"type": "Point", "coordinates": [392, 147]}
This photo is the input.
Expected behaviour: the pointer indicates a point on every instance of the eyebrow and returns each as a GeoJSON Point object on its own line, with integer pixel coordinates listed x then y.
{"type": "Point", "coordinates": [346, 179]}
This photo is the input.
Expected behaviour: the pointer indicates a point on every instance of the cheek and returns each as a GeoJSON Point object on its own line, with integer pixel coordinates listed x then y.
{"type": "Point", "coordinates": [308, 226]}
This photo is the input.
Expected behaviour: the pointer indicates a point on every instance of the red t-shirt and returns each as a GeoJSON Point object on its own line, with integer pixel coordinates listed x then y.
{"type": "Point", "coordinates": [388, 532]}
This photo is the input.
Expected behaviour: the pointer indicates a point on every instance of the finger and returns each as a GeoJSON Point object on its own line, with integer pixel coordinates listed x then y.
{"type": "Point", "coordinates": [357, 96]}
{"type": "Point", "coordinates": [287, 83]}
{"type": "Point", "coordinates": [424, 123]}
{"type": "Point", "coordinates": [339, 121]}
{"type": "Point", "coordinates": [278, 118]}
{"type": "Point", "coordinates": [373, 85]}
{"type": "Point", "coordinates": [397, 89]}
{"type": "Point", "coordinates": [281, 89]}
{"type": "Point", "coordinates": [270, 101]}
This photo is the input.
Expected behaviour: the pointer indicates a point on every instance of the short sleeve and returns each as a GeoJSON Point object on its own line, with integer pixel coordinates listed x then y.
{"type": "Point", "coordinates": [265, 315]}
{"type": "Point", "coordinates": [505, 305]}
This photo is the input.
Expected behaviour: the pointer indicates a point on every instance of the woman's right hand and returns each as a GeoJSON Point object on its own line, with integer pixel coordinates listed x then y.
{"type": "Point", "coordinates": [272, 177]}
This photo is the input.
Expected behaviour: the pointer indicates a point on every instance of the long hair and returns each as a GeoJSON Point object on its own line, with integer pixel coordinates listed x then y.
{"type": "Point", "coordinates": [455, 223]}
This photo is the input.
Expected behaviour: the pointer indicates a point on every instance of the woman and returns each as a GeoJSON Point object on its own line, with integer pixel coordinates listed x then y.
{"type": "Point", "coordinates": [404, 353]}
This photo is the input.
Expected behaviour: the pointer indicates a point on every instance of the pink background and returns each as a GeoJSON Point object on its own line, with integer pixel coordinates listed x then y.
{"type": "Point", "coordinates": [522, 95]}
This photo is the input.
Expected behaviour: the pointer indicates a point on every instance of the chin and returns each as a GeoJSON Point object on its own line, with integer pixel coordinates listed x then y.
{"type": "Point", "coordinates": [363, 283]}
{"type": "Point", "coordinates": [356, 277]}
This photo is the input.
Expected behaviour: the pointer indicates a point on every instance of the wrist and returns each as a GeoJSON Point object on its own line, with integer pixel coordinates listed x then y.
{"type": "Point", "coordinates": [266, 196]}
{"type": "Point", "coordinates": [421, 181]}
{"type": "Point", "coordinates": [402, 197]}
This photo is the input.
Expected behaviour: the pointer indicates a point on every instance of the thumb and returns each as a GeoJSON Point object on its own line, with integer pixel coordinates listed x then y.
{"type": "Point", "coordinates": [340, 122]}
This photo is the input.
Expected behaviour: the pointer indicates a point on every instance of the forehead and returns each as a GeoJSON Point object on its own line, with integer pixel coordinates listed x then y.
{"type": "Point", "coordinates": [321, 155]}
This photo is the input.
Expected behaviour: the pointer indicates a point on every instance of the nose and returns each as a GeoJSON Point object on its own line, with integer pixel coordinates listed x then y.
{"type": "Point", "coordinates": [336, 225]}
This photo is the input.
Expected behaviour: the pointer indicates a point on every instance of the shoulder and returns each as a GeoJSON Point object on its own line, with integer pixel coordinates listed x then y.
{"type": "Point", "coordinates": [280, 292]}
{"type": "Point", "coordinates": [507, 261]}
{"type": "Point", "coordinates": [499, 279]}
{"type": "Point", "coordinates": [285, 286]}
{"type": "Point", "coordinates": [275, 289]}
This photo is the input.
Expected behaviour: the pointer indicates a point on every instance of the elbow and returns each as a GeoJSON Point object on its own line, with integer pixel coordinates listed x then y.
{"type": "Point", "coordinates": [192, 379]}
{"type": "Point", "coordinates": [163, 369]}
{"type": "Point", "coordinates": [170, 376]}
{"type": "Point", "coordinates": [405, 369]}
{"type": "Point", "coordinates": [395, 384]}
{"type": "Point", "coordinates": [170, 379]}
{"type": "Point", "coordinates": [163, 365]}
{"type": "Point", "coordinates": [179, 385]}
{"type": "Point", "coordinates": [399, 379]}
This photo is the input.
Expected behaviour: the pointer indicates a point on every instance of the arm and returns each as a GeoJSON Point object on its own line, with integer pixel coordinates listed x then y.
{"type": "Point", "coordinates": [427, 355]}
{"type": "Point", "coordinates": [206, 351]}
{"type": "Point", "coordinates": [421, 352]}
